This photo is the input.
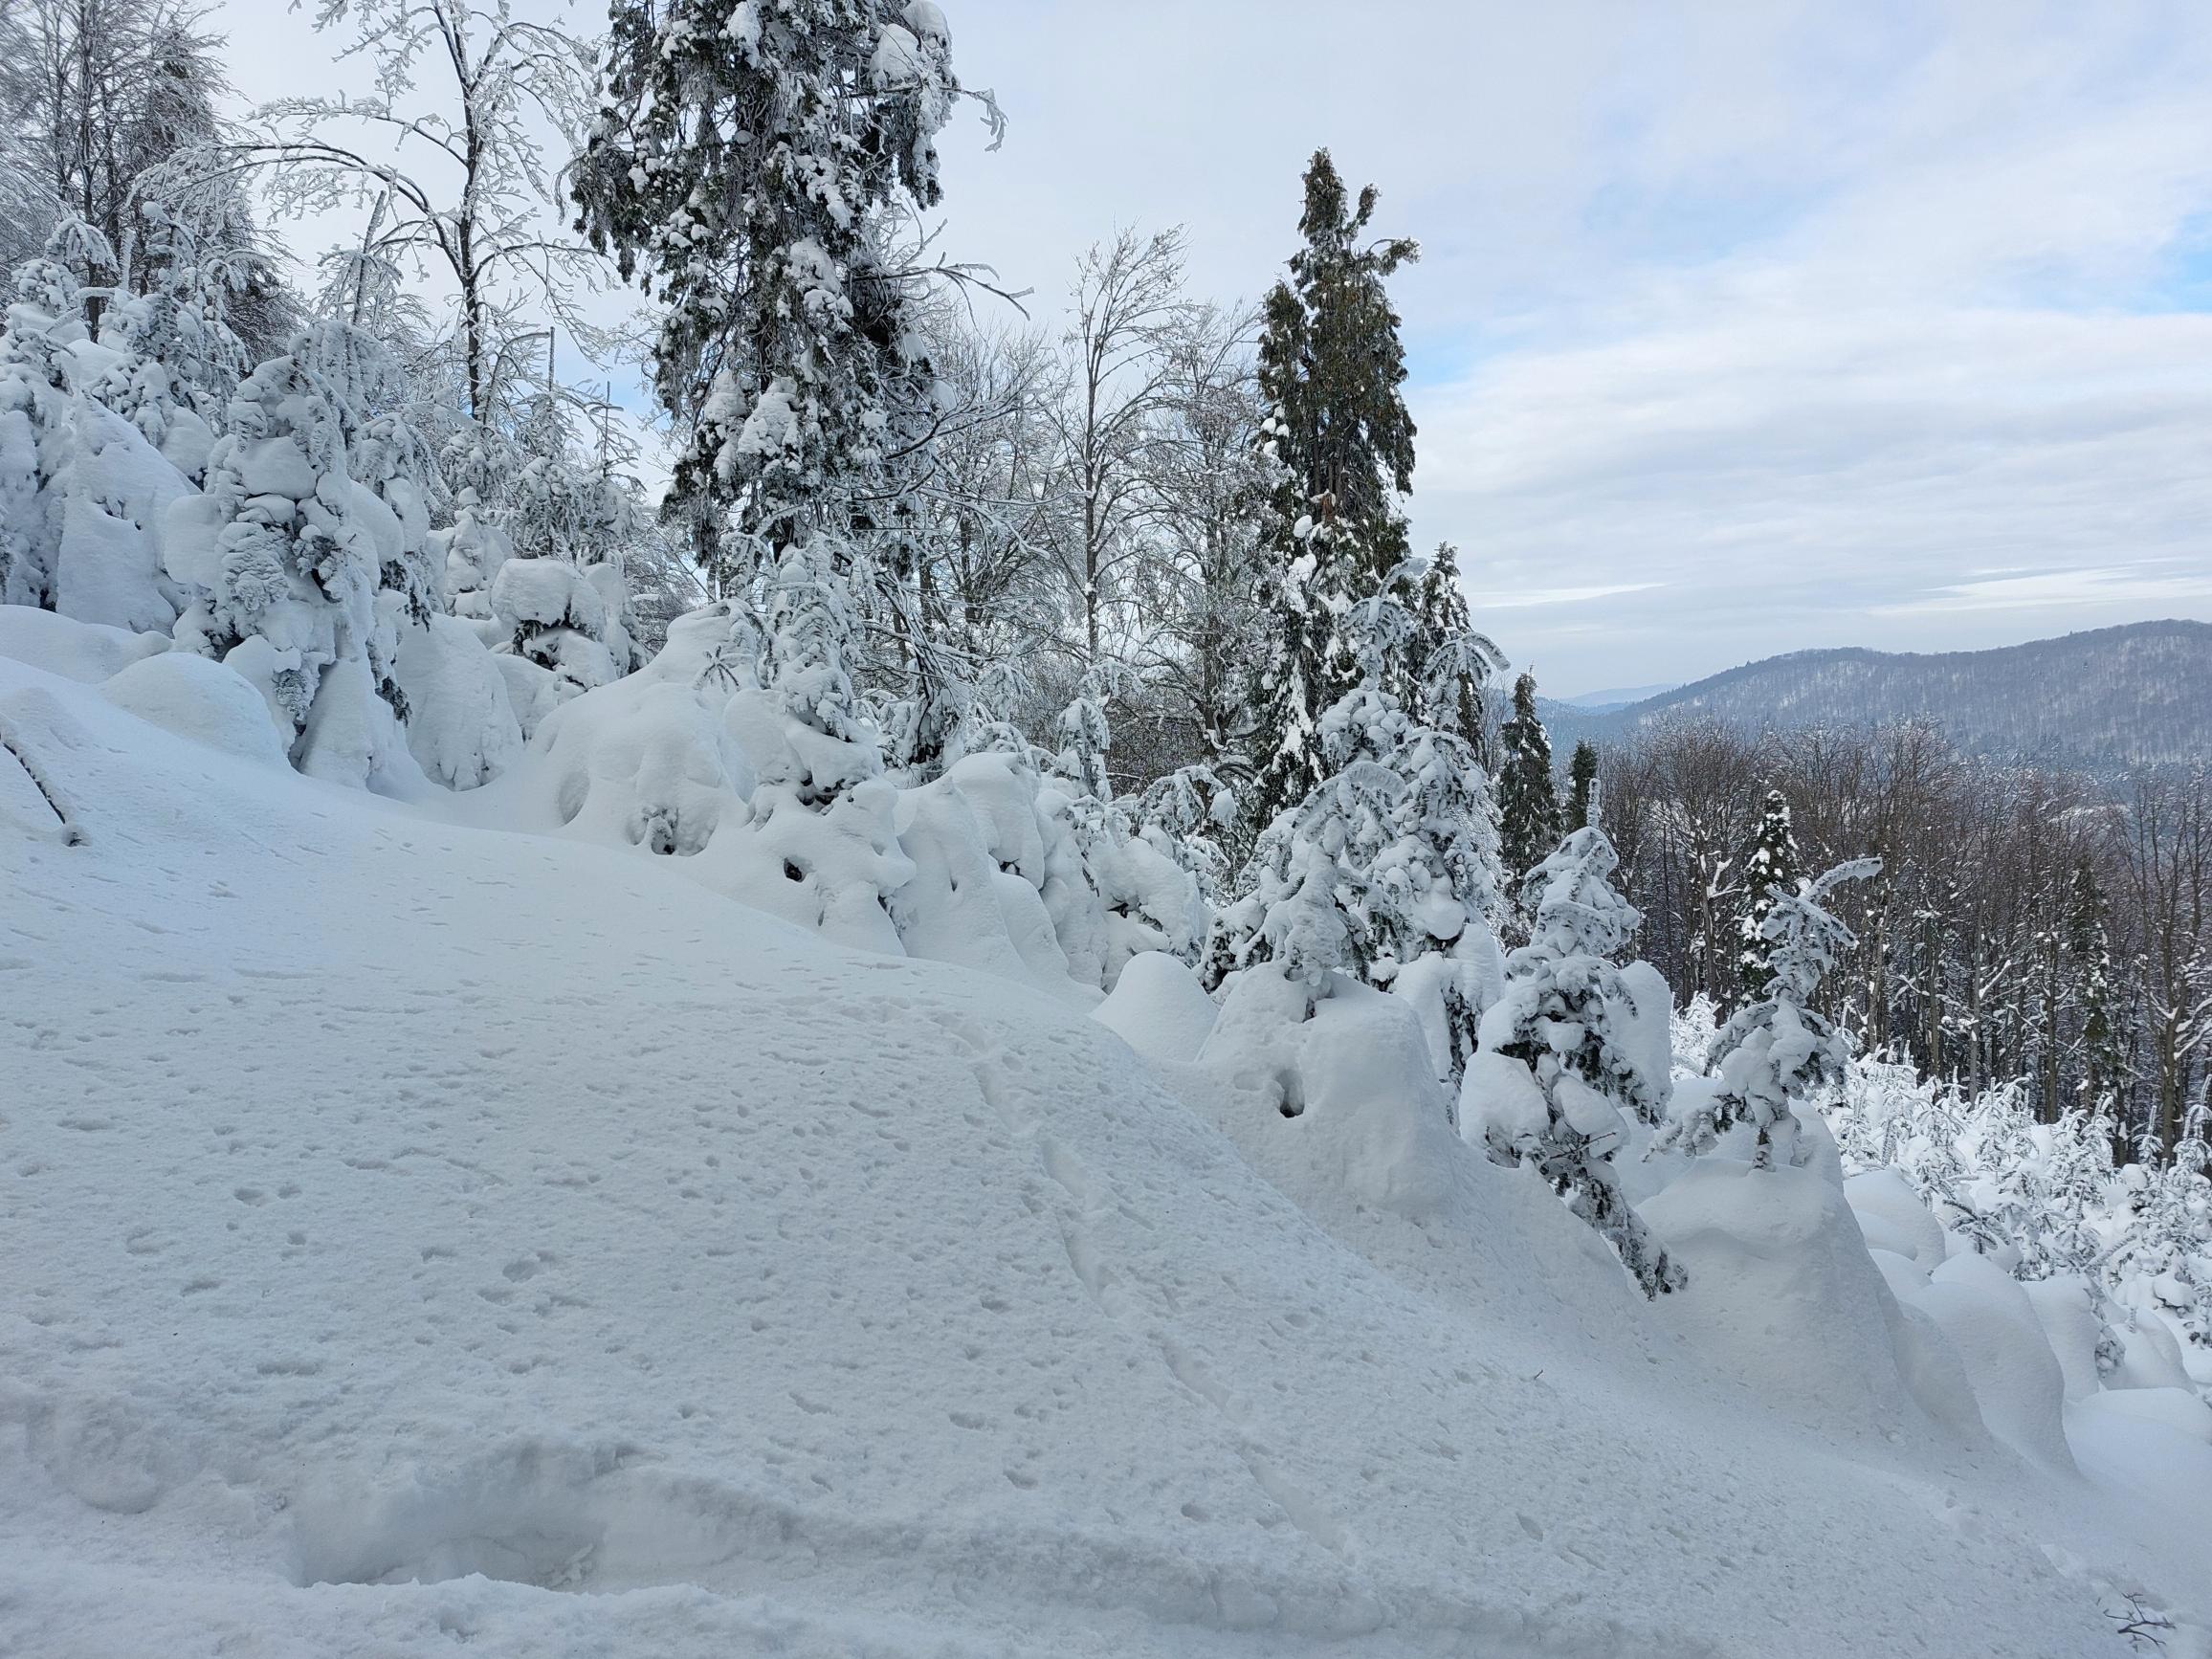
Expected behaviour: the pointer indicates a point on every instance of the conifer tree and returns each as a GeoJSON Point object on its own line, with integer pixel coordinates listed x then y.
{"type": "Point", "coordinates": [1339, 435]}
{"type": "Point", "coordinates": [1775, 1052]}
{"type": "Point", "coordinates": [1582, 786]}
{"type": "Point", "coordinates": [1528, 802]}
{"type": "Point", "coordinates": [1450, 661]}
{"type": "Point", "coordinates": [1567, 1017]}
{"type": "Point", "coordinates": [742, 166]}
{"type": "Point", "coordinates": [1772, 868]}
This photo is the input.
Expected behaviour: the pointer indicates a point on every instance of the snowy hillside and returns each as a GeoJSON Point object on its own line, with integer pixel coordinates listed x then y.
{"type": "Point", "coordinates": [2107, 696]}
{"type": "Point", "coordinates": [426, 1233]}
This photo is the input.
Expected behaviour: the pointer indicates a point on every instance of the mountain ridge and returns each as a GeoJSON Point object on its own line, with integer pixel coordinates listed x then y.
{"type": "Point", "coordinates": [2135, 693]}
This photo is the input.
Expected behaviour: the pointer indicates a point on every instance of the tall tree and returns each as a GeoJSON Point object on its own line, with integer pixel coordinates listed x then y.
{"type": "Point", "coordinates": [1330, 369]}
{"type": "Point", "coordinates": [1528, 802]}
{"type": "Point", "coordinates": [1770, 871]}
{"type": "Point", "coordinates": [1128, 307]}
{"type": "Point", "coordinates": [746, 165]}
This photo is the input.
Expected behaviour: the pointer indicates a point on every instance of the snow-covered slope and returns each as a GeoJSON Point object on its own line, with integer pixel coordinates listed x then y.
{"type": "Point", "coordinates": [423, 1238]}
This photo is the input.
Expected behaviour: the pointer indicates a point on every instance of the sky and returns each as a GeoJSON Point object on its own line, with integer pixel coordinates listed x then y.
{"type": "Point", "coordinates": [1740, 327]}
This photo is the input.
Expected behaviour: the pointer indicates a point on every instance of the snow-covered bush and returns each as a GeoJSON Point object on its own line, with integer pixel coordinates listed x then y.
{"type": "Point", "coordinates": [554, 616]}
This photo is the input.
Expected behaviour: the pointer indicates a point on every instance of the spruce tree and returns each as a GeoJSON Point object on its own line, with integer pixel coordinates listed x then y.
{"type": "Point", "coordinates": [1341, 443]}
{"type": "Point", "coordinates": [1772, 869]}
{"type": "Point", "coordinates": [1582, 786]}
{"type": "Point", "coordinates": [1527, 802]}
{"type": "Point", "coordinates": [1777, 1051]}
{"type": "Point", "coordinates": [1566, 1016]}
{"type": "Point", "coordinates": [1448, 661]}
{"type": "Point", "coordinates": [745, 163]}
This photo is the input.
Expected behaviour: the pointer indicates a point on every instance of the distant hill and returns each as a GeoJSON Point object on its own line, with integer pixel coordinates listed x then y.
{"type": "Point", "coordinates": [1599, 702]}
{"type": "Point", "coordinates": [2113, 697]}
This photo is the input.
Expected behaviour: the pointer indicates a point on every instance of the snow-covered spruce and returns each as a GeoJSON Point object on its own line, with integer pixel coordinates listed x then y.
{"type": "Point", "coordinates": [1774, 1052]}
{"type": "Point", "coordinates": [1561, 1057]}
{"type": "Point", "coordinates": [1773, 864]}
{"type": "Point", "coordinates": [1399, 842]}
{"type": "Point", "coordinates": [83, 492]}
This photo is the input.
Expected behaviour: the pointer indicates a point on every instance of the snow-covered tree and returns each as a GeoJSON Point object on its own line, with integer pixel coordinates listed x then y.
{"type": "Point", "coordinates": [448, 159]}
{"type": "Point", "coordinates": [1449, 663]}
{"type": "Point", "coordinates": [83, 491]}
{"type": "Point", "coordinates": [1341, 443]}
{"type": "Point", "coordinates": [1528, 802]}
{"type": "Point", "coordinates": [1565, 1015]}
{"type": "Point", "coordinates": [1401, 836]}
{"type": "Point", "coordinates": [1773, 865]}
{"type": "Point", "coordinates": [283, 569]}
{"type": "Point", "coordinates": [1774, 1052]}
{"type": "Point", "coordinates": [745, 164]}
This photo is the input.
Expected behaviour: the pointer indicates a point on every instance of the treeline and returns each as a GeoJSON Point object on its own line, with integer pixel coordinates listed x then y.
{"type": "Point", "coordinates": [2035, 928]}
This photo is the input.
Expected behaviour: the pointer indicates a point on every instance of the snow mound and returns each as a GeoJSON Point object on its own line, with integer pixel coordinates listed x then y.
{"type": "Point", "coordinates": [461, 724]}
{"type": "Point", "coordinates": [203, 701]}
{"type": "Point", "coordinates": [86, 652]}
{"type": "Point", "coordinates": [1158, 1008]}
{"type": "Point", "coordinates": [1782, 1292]}
{"type": "Point", "coordinates": [2017, 1381]}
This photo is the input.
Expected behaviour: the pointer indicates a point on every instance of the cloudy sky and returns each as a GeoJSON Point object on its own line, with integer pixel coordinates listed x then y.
{"type": "Point", "coordinates": [1741, 326]}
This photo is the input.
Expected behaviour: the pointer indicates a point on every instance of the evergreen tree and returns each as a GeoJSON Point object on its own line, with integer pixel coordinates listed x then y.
{"type": "Point", "coordinates": [744, 162]}
{"type": "Point", "coordinates": [284, 568]}
{"type": "Point", "coordinates": [1339, 435]}
{"type": "Point", "coordinates": [1450, 663]}
{"type": "Point", "coordinates": [1567, 1017]}
{"type": "Point", "coordinates": [1527, 802]}
{"type": "Point", "coordinates": [1582, 786]}
{"type": "Point", "coordinates": [1774, 1052]}
{"type": "Point", "coordinates": [1401, 837]}
{"type": "Point", "coordinates": [1771, 869]}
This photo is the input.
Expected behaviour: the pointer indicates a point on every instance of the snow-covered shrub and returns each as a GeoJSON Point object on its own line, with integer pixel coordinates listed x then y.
{"type": "Point", "coordinates": [650, 761]}
{"type": "Point", "coordinates": [555, 617]}
{"type": "Point", "coordinates": [461, 726]}
{"type": "Point", "coordinates": [1568, 1022]}
{"type": "Point", "coordinates": [472, 549]}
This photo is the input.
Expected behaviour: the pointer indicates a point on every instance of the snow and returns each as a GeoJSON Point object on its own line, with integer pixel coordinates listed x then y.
{"type": "Point", "coordinates": [206, 701]}
{"type": "Point", "coordinates": [73, 649]}
{"type": "Point", "coordinates": [461, 726]}
{"type": "Point", "coordinates": [1158, 1008]}
{"type": "Point", "coordinates": [2017, 1381]}
{"type": "Point", "coordinates": [432, 1225]}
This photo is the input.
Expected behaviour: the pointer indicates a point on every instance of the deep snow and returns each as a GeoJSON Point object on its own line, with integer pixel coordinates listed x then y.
{"type": "Point", "coordinates": [421, 1236]}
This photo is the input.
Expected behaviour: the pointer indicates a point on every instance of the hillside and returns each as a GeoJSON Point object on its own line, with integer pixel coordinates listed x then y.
{"type": "Point", "coordinates": [2111, 697]}
{"type": "Point", "coordinates": [427, 1232]}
